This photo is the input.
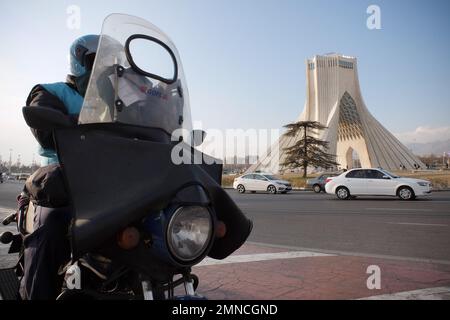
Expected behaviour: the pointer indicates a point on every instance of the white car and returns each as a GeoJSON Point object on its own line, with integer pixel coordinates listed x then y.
{"type": "Point", "coordinates": [261, 182]}
{"type": "Point", "coordinates": [376, 182]}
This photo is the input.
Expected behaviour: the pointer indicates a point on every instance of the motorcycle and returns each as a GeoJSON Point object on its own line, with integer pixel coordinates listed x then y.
{"type": "Point", "coordinates": [145, 208]}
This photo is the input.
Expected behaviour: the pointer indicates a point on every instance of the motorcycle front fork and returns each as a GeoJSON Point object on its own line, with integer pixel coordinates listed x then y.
{"type": "Point", "coordinates": [151, 293]}
{"type": "Point", "coordinates": [147, 290]}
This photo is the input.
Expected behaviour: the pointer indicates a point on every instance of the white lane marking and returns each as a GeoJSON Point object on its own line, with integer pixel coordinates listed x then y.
{"type": "Point", "coordinates": [419, 224]}
{"type": "Point", "coordinates": [350, 253]}
{"type": "Point", "coordinates": [263, 257]}
{"type": "Point", "coordinates": [399, 209]}
{"type": "Point", "coordinates": [438, 293]}
{"type": "Point", "coordinates": [5, 211]}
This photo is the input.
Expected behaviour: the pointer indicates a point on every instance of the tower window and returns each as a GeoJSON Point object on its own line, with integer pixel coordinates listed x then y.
{"type": "Point", "coordinates": [345, 64]}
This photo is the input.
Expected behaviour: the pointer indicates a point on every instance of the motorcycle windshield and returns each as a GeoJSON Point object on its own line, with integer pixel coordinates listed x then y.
{"type": "Point", "coordinates": [137, 78]}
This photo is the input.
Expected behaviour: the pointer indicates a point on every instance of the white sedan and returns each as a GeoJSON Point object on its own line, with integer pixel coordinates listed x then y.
{"type": "Point", "coordinates": [261, 182]}
{"type": "Point", "coordinates": [376, 182]}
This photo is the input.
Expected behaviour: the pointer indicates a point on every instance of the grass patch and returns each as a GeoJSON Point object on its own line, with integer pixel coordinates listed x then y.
{"type": "Point", "coordinates": [227, 180]}
{"type": "Point", "coordinates": [440, 179]}
{"type": "Point", "coordinates": [296, 180]}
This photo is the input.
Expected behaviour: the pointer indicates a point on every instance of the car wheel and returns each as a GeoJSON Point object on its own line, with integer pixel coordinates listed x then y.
{"type": "Point", "coordinates": [405, 193]}
{"type": "Point", "coordinates": [342, 193]}
{"type": "Point", "coordinates": [317, 188]}
{"type": "Point", "coordinates": [271, 189]}
{"type": "Point", "coordinates": [240, 188]}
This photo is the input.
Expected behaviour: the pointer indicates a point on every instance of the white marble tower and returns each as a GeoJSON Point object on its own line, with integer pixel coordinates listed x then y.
{"type": "Point", "coordinates": [333, 98]}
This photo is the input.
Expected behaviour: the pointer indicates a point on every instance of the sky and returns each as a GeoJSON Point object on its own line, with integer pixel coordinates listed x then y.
{"type": "Point", "coordinates": [245, 60]}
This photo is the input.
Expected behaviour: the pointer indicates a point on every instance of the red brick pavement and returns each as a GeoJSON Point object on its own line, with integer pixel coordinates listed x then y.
{"type": "Point", "coordinates": [333, 277]}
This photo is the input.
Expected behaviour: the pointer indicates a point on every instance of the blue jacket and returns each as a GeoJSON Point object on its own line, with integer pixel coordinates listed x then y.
{"type": "Point", "coordinates": [61, 96]}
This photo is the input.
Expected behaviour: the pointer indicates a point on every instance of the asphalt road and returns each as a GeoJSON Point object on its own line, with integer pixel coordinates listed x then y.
{"type": "Point", "coordinates": [377, 226]}
{"type": "Point", "coordinates": [417, 229]}
{"type": "Point", "coordinates": [8, 193]}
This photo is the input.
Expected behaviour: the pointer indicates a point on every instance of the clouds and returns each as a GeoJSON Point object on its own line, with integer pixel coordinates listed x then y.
{"type": "Point", "coordinates": [424, 134]}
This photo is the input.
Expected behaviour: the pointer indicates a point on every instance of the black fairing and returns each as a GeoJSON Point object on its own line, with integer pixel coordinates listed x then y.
{"type": "Point", "coordinates": [115, 179]}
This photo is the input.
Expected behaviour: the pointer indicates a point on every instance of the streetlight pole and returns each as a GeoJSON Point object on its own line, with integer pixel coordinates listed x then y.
{"type": "Point", "coordinates": [10, 160]}
{"type": "Point", "coordinates": [443, 160]}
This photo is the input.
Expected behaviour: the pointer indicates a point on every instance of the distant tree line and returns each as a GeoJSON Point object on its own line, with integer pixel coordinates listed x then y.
{"type": "Point", "coordinates": [435, 161]}
{"type": "Point", "coordinates": [4, 167]}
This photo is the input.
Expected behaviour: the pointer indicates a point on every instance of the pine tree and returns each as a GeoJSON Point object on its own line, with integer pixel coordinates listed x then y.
{"type": "Point", "coordinates": [307, 151]}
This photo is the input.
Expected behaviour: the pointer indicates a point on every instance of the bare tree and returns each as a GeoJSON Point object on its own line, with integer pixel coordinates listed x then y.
{"type": "Point", "coordinates": [307, 151]}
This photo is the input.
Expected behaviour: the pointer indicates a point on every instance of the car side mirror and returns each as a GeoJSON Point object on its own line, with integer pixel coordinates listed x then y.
{"type": "Point", "coordinates": [386, 177]}
{"type": "Point", "coordinates": [197, 137]}
{"type": "Point", "coordinates": [45, 118]}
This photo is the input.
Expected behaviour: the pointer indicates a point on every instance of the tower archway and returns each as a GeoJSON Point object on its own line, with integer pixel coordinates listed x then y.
{"type": "Point", "coordinates": [352, 159]}
{"type": "Point", "coordinates": [348, 158]}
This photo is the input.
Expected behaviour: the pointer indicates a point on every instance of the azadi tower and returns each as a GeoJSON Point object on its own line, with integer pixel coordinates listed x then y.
{"type": "Point", "coordinates": [333, 98]}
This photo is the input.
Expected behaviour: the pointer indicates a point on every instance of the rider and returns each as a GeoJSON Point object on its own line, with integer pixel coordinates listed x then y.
{"type": "Point", "coordinates": [47, 248]}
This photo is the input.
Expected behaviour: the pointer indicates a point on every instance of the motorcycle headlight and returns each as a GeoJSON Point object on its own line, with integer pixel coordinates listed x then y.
{"type": "Point", "coordinates": [189, 232]}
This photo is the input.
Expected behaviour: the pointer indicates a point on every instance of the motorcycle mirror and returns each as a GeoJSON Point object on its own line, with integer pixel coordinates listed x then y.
{"type": "Point", "coordinates": [44, 118]}
{"type": "Point", "coordinates": [197, 137]}
{"type": "Point", "coordinates": [151, 57]}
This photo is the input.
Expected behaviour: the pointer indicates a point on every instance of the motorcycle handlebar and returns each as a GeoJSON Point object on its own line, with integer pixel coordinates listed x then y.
{"type": "Point", "coordinates": [9, 219]}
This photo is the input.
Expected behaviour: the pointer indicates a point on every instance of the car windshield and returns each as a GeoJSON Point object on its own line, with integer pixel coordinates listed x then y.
{"type": "Point", "coordinates": [390, 174]}
{"type": "Point", "coordinates": [270, 177]}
